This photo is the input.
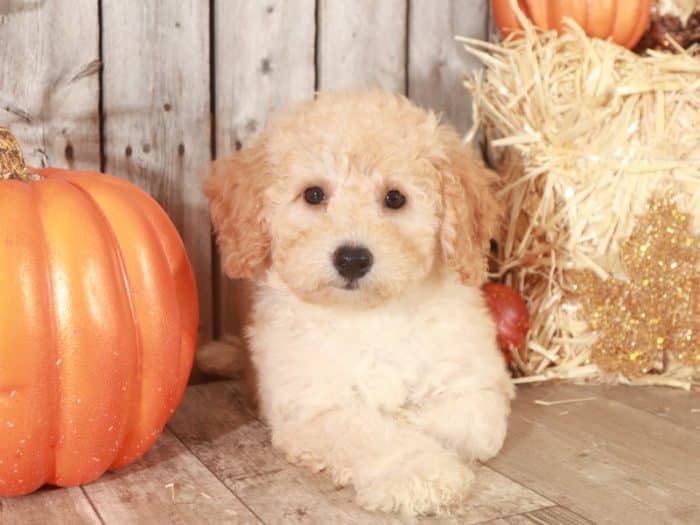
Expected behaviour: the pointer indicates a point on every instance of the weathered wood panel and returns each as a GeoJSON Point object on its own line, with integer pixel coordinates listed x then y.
{"type": "Point", "coordinates": [550, 516]}
{"type": "Point", "coordinates": [437, 63]}
{"type": "Point", "coordinates": [264, 60]}
{"type": "Point", "coordinates": [602, 459]}
{"type": "Point", "coordinates": [49, 505]}
{"type": "Point", "coordinates": [157, 125]}
{"type": "Point", "coordinates": [49, 84]}
{"type": "Point", "coordinates": [170, 486]}
{"type": "Point", "coordinates": [225, 425]}
{"type": "Point", "coordinates": [674, 405]}
{"type": "Point", "coordinates": [294, 495]}
{"type": "Point", "coordinates": [362, 43]}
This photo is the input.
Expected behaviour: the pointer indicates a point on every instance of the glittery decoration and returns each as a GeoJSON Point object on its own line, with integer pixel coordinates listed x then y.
{"type": "Point", "coordinates": [651, 314]}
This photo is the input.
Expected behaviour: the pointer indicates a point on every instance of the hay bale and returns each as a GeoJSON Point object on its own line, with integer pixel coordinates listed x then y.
{"type": "Point", "coordinates": [585, 133]}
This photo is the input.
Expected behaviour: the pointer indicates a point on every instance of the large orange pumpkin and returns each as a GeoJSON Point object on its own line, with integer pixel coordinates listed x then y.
{"type": "Point", "coordinates": [98, 323]}
{"type": "Point", "coordinates": [625, 21]}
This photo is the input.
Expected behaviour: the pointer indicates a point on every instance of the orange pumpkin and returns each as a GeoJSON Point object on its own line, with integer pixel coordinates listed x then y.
{"type": "Point", "coordinates": [98, 323]}
{"type": "Point", "coordinates": [625, 21]}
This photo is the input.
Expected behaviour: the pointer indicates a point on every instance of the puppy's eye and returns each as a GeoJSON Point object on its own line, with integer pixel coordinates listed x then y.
{"type": "Point", "coordinates": [394, 200]}
{"type": "Point", "coordinates": [314, 195]}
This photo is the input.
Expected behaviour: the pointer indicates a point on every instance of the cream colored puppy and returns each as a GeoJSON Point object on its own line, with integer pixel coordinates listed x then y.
{"type": "Point", "coordinates": [365, 223]}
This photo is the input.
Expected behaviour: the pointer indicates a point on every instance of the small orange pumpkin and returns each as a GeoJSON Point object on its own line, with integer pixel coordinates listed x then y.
{"type": "Point", "coordinates": [625, 21]}
{"type": "Point", "coordinates": [98, 323]}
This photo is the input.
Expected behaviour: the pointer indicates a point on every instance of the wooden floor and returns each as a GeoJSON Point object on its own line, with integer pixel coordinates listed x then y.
{"type": "Point", "coordinates": [618, 455]}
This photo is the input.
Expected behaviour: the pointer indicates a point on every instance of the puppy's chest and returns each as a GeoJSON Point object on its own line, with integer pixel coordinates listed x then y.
{"type": "Point", "coordinates": [386, 359]}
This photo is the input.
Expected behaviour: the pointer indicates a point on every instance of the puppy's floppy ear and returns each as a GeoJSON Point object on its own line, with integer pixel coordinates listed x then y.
{"type": "Point", "coordinates": [235, 189]}
{"type": "Point", "coordinates": [470, 210]}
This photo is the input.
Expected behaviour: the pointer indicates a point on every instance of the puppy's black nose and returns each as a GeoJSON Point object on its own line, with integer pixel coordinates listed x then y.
{"type": "Point", "coordinates": [352, 262]}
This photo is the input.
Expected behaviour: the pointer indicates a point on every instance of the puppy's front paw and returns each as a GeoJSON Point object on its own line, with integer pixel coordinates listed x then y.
{"type": "Point", "coordinates": [308, 460]}
{"type": "Point", "coordinates": [297, 452]}
{"type": "Point", "coordinates": [432, 483]}
{"type": "Point", "coordinates": [487, 438]}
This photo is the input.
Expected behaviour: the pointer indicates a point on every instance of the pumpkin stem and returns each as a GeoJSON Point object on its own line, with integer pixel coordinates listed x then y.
{"type": "Point", "coordinates": [12, 165]}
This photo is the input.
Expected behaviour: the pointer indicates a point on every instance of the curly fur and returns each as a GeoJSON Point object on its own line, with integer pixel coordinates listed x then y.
{"type": "Point", "coordinates": [236, 205]}
{"type": "Point", "coordinates": [396, 386]}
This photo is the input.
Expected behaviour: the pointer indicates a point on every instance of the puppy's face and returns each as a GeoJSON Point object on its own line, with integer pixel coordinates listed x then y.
{"type": "Point", "coordinates": [351, 199]}
{"type": "Point", "coordinates": [349, 227]}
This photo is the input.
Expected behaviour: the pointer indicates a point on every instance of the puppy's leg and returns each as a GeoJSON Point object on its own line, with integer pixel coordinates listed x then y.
{"type": "Point", "coordinates": [471, 422]}
{"type": "Point", "coordinates": [392, 466]}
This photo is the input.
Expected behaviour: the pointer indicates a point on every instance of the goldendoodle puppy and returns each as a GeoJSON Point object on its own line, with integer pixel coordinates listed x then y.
{"type": "Point", "coordinates": [365, 223]}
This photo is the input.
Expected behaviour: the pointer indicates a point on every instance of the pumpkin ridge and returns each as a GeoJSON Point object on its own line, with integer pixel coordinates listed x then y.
{"type": "Point", "coordinates": [180, 272]}
{"type": "Point", "coordinates": [27, 400]}
{"type": "Point", "coordinates": [136, 388]}
{"type": "Point", "coordinates": [643, 19]}
{"type": "Point", "coordinates": [140, 204]}
{"type": "Point", "coordinates": [93, 323]}
{"type": "Point", "coordinates": [163, 254]}
{"type": "Point", "coordinates": [149, 220]}
{"type": "Point", "coordinates": [180, 275]}
{"type": "Point", "coordinates": [55, 376]}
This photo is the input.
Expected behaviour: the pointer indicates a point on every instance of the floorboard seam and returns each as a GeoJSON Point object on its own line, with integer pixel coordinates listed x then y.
{"type": "Point", "coordinates": [508, 516]}
{"type": "Point", "coordinates": [601, 396]}
{"type": "Point", "coordinates": [92, 505]}
{"type": "Point", "coordinates": [553, 501]}
{"type": "Point", "coordinates": [217, 477]}
{"type": "Point", "coordinates": [652, 413]}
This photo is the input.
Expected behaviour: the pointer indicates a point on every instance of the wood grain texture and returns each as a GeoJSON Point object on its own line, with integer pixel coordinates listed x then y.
{"type": "Point", "coordinates": [49, 81]}
{"type": "Point", "coordinates": [437, 64]}
{"type": "Point", "coordinates": [293, 495]}
{"type": "Point", "coordinates": [556, 516]}
{"type": "Point", "coordinates": [549, 516]}
{"type": "Point", "coordinates": [674, 405]}
{"type": "Point", "coordinates": [362, 43]}
{"type": "Point", "coordinates": [157, 125]}
{"type": "Point", "coordinates": [216, 427]}
{"type": "Point", "coordinates": [213, 423]}
{"type": "Point", "coordinates": [264, 57]}
{"type": "Point", "coordinates": [169, 486]}
{"type": "Point", "coordinates": [602, 459]}
{"type": "Point", "coordinates": [263, 62]}
{"type": "Point", "coordinates": [49, 505]}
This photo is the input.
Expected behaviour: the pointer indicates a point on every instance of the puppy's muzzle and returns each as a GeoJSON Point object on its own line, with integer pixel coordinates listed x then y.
{"type": "Point", "coordinates": [352, 262]}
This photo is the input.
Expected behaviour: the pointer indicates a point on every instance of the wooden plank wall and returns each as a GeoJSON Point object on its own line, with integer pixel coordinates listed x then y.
{"type": "Point", "coordinates": [151, 91]}
{"type": "Point", "coordinates": [156, 114]}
